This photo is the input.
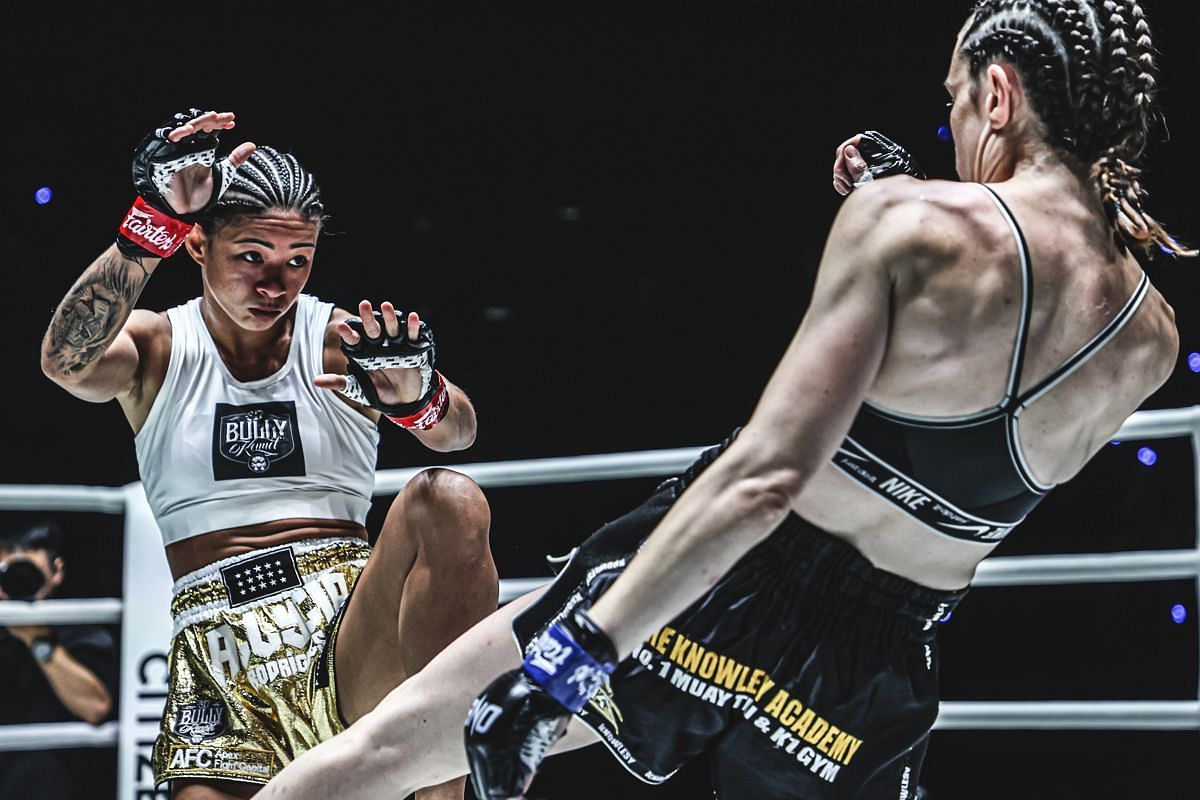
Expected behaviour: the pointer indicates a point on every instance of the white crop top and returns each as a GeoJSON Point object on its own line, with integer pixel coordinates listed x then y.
{"type": "Point", "coordinates": [218, 453]}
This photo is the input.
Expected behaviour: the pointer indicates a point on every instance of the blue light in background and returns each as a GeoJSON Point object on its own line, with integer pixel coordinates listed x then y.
{"type": "Point", "coordinates": [1147, 456]}
{"type": "Point", "coordinates": [43, 195]}
{"type": "Point", "coordinates": [1114, 444]}
{"type": "Point", "coordinates": [947, 617]}
{"type": "Point", "coordinates": [1178, 613]}
{"type": "Point", "coordinates": [943, 133]}
{"type": "Point", "coordinates": [1194, 362]}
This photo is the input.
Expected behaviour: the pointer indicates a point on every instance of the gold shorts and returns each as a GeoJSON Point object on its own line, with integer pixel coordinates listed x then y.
{"type": "Point", "coordinates": [252, 682]}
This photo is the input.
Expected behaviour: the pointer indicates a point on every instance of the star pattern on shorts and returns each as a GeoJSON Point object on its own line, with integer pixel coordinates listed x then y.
{"type": "Point", "coordinates": [254, 574]}
{"type": "Point", "coordinates": [260, 576]}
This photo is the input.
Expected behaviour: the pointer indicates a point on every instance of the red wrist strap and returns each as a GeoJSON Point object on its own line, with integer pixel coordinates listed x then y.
{"type": "Point", "coordinates": [153, 230]}
{"type": "Point", "coordinates": [433, 411]}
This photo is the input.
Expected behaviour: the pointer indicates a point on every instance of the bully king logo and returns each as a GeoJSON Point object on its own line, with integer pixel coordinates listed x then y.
{"type": "Point", "coordinates": [141, 224]}
{"type": "Point", "coordinates": [257, 440]}
{"type": "Point", "coordinates": [199, 721]}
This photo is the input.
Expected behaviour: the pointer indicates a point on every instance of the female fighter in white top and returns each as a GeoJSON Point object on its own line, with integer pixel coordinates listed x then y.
{"type": "Point", "coordinates": [259, 475]}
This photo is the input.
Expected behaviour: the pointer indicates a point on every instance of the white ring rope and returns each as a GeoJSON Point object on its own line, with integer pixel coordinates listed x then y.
{"type": "Point", "coordinates": [57, 736]}
{"type": "Point", "coordinates": [100, 611]}
{"type": "Point", "coordinates": [1145, 565]}
{"type": "Point", "coordinates": [539, 471]}
{"type": "Point", "coordinates": [105, 499]}
{"type": "Point", "coordinates": [1151, 565]}
{"type": "Point", "coordinates": [953, 715]}
{"type": "Point", "coordinates": [1106, 715]}
{"type": "Point", "coordinates": [1159, 424]}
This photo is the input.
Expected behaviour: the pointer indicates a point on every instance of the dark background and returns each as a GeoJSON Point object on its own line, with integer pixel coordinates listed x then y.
{"type": "Point", "coordinates": [612, 222]}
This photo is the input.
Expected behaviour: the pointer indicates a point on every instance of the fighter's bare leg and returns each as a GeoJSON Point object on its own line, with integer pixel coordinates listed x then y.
{"type": "Point", "coordinates": [414, 737]}
{"type": "Point", "coordinates": [430, 577]}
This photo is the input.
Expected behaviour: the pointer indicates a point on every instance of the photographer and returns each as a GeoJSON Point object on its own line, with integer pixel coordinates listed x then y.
{"type": "Point", "coordinates": [61, 674]}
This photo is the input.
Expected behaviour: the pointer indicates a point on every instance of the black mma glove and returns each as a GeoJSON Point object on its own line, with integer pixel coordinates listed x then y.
{"type": "Point", "coordinates": [509, 730]}
{"type": "Point", "coordinates": [884, 157]}
{"type": "Point", "coordinates": [514, 722]}
{"type": "Point", "coordinates": [392, 352]}
{"type": "Point", "coordinates": [152, 227]}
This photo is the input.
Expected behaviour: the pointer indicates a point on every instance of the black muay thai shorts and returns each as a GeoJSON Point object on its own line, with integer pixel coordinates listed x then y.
{"type": "Point", "coordinates": [805, 672]}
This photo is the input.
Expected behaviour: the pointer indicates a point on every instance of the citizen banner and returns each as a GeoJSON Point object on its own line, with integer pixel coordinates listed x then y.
{"type": "Point", "coordinates": [145, 636]}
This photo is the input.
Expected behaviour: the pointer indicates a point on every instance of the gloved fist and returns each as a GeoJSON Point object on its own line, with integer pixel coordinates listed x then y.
{"type": "Point", "coordinates": [177, 178]}
{"type": "Point", "coordinates": [512, 725]}
{"type": "Point", "coordinates": [509, 730]}
{"type": "Point", "coordinates": [869, 155]}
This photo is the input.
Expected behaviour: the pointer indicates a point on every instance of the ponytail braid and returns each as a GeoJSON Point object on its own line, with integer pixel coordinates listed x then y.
{"type": "Point", "coordinates": [1129, 113]}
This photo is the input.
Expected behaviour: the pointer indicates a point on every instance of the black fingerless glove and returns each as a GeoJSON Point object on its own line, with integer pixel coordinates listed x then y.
{"type": "Point", "coordinates": [520, 715]}
{"type": "Point", "coordinates": [884, 157]}
{"type": "Point", "coordinates": [152, 227]}
{"type": "Point", "coordinates": [391, 352]}
{"type": "Point", "coordinates": [510, 729]}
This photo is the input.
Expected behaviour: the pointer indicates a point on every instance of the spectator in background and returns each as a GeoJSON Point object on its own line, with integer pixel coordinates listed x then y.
{"type": "Point", "coordinates": [64, 673]}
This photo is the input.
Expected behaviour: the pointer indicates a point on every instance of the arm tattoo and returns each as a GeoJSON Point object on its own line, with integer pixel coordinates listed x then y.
{"type": "Point", "coordinates": [89, 317]}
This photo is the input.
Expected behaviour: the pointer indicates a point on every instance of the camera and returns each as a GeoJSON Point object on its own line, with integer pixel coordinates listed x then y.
{"type": "Point", "coordinates": [21, 579]}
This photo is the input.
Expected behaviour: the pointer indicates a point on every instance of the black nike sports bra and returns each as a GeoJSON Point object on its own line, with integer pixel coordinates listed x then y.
{"type": "Point", "coordinates": [966, 477]}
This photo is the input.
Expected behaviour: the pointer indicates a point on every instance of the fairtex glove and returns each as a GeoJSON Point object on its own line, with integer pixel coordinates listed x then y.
{"type": "Point", "coordinates": [392, 352]}
{"type": "Point", "coordinates": [153, 227]}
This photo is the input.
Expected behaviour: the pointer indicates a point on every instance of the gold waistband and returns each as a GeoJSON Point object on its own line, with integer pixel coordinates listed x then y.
{"type": "Point", "coordinates": [204, 588]}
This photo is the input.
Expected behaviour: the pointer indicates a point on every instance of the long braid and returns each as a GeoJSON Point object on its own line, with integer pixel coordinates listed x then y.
{"type": "Point", "coordinates": [1078, 19]}
{"type": "Point", "coordinates": [1130, 113]}
{"type": "Point", "coordinates": [269, 180]}
{"type": "Point", "coordinates": [1088, 69]}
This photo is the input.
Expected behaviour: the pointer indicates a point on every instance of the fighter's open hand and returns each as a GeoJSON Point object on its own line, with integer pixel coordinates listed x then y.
{"type": "Point", "coordinates": [376, 341]}
{"type": "Point", "coordinates": [192, 186]}
{"type": "Point", "coordinates": [177, 178]}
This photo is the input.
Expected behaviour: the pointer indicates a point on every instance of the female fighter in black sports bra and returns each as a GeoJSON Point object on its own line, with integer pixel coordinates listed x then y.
{"type": "Point", "coordinates": [968, 346]}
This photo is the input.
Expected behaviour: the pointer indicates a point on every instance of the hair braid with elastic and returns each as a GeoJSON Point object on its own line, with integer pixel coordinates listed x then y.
{"type": "Point", "coordinates": [1130, 113]}
{"type": "Point", "coordinates": [1088, 70]}
{"type": "Point", "coordinates": [269, 180]}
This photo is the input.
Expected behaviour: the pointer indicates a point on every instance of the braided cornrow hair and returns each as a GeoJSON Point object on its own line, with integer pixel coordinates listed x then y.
{"type": "Point", "coordinates": [269, 180]}
{"type": "Point", "coordinates": [1089, 72]}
